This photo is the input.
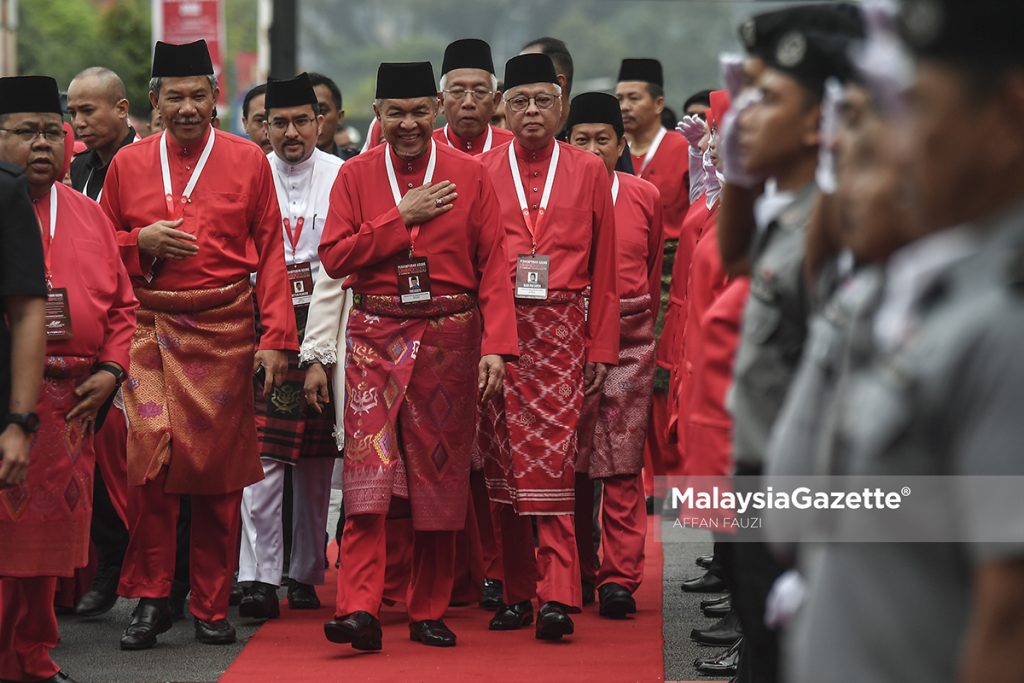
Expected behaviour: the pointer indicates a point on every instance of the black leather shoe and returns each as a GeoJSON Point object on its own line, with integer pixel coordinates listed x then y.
{"type": "Point", "coordinates": [512, 617]}
{"type": "Point", "coordinates": [616, 601]}
{"type": "Point", "coordinates": [361, 629]}
{"type": "Point", "coordinates": [553, 621]}
{"type": "Point", "coordinates": [150, 618]}
{"type": "Point", "coordinates": [724, 664]}
{"type": "Point", "coordinates": [719, 610]}
{"type": "Point", "coordinates": [588, 593]}
{"type": "Point", "coordinates": [179, 591]}
{"type": "Point", "coordinates": [260, 602]}
{"type": "Point", "coordinates": [237, 593]}
{"type": "Point", "coordinates": [102, 593]}
{"type": "Point", "coordinates": [704, 561]}
{"type": "Point", "coordinates": [219, 632]}
{"type": "Point", "coordinates": [302, 596]}
{"type": "Point", "coordinates": [491, 595]}
{"type": "Point", "coordinates": [714, 602]}
{"type": "Point", "coordinates": [59, 677]}
{"type": "Point", "coordinates": [723, 632]}
{"type": "Point", "coordinates": [430, 632]}
{"type": "Point", "coordinates": [706, 583]}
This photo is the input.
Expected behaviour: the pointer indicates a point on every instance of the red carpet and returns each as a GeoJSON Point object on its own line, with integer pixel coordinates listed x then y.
{"type": "Point", "coordinates": [293, 648]}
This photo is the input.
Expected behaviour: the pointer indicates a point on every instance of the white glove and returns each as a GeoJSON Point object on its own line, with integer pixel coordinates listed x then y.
{"type": "Point", "coordinates": [729, 143]}
{"type": "Point", "coordinates": [825, 174]}
{"type": "Point", "coordinates": [711, 184]}
{"type": "Point", "coordinates": [693, 128]}
{"type": "Point", "coordinates": [784, 599]}
{"type": "Point", "coordinates": [882, 59]}
{"type": "Point", "coordinates": [730, 66]}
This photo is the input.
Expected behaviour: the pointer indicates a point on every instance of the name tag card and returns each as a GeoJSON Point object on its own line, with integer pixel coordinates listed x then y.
{"type": "Point", "coordinates": [532, 276]}
{"type": "Point", "coordinates": [57, 315]}
{"type": "Point", "coordinates": [413, 280]}
{"type": "Point", "coordinates": [300, 278]}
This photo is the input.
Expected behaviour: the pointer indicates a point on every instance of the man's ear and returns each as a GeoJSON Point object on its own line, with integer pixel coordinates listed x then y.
{"type": "Point", "coordinates": [153, 99]}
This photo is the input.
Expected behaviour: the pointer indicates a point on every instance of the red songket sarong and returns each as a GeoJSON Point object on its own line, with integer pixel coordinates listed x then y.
{"type": "Point", "coordinates": [528, 435]}
{"type": "Point", "coordinates": [613, 425]}
{"type": "Point", "coordinates": [411, 386]}
{"type": "Point", "coordinates": [189, 398]}
{"type": "Point", "coordinates": [44, 522]}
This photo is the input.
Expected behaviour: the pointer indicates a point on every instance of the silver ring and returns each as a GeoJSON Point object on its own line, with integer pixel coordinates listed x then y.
{"type": "Point", "coordinates": [439, 202]}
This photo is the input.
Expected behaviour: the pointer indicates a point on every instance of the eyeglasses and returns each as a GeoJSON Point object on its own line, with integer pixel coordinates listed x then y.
{"type": "Point", "coordinates": [478, 94]}
{"type": "Point", "coordinates": [522, 102]}
{"type": "Point", "coordinates": [52, 135]}
{"type": "Point", "coordinates": [282, 124]}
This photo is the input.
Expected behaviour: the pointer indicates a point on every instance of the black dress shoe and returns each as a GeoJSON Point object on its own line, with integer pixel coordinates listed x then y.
{"type": "Point", "coordinates": [553, 621]}
{"type": "Point", "coordinates": [59, 677]}
{"type": "Point", "coordinates": [150, 618]}
{"type": "Point", "coordinates": [237, 593]}
{"type": "Point", "coordinates": [260, 602]}
{"type": "Point", "coordinates": [179, 591]}
{"type": "Point", "coordinates": [302, 596]}
{"type": "Point", "coordinates": [714, 602]}
{"type": "Point", "coordinates": [491, 595]}
{"type": "Point", "coordinates": [430, 632]}
{"type": "Point", "coordinates": [361, 629]}
{"type": "Point", "coordinates": [512, 617]}
{"type": "Point", "coordinates": [719, 610]}
{"type": "Point", "coordinates": [706, 583]}
{"type": "Point", "coordinates": [724, 664]}
{"type": "Point", "coordinates": [724, 632]}
{"type": "Point", "coordinates": [102, 593]}
{"type": "Point", "coordinates": [219, 632]}
{"type": "Point", "coordinates": [704, 561]}
{"type": "Point", "coordinates": [616, 601]}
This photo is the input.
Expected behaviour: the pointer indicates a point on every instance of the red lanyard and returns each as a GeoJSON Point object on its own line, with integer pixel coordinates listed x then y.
{"type": "Point", "coordinates": [293, 237]}
{"type": "Point", "coordinates": [47, 234]}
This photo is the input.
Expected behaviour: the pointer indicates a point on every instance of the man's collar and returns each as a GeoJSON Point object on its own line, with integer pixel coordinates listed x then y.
{"type": "Point", "coordinates": [299, 168]}
{"type": "Point", "coordinates": [542, 154]}
{"type": "Point", "coordinates": [192, 147]}
{"type": "Point", "coordinates": [467, 145]}
{"type": "Point", "coordinates": [417, 165]}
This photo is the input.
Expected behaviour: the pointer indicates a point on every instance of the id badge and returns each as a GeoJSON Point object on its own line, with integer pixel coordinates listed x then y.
{"type": "Point", "coordinates": [57, 315]}
{"type": "Point", "coordinates": [532, 276]}
{"type": "Point", "coordinates": [300, 279]}
{"type": "Point", "coordinates": [413, 280]}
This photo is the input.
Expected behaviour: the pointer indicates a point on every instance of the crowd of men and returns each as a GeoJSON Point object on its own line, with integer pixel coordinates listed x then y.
{"type": "Point", "coordinates": [491, 337]}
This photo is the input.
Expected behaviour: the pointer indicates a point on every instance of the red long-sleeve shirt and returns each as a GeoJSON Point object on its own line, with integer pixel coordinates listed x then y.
{"type": "Point", "coordinates": [577, 233]}
{"type": "Point", "coordinates": [638, 230]}
{"type": "Point", "coordinates": [233, 212]}
{"type": "Point", "coordinates": [365, 236]}
{"type": "Point", "coordinates": [474, 147]}
{"type": "Point", "coordinates": [669, 170]}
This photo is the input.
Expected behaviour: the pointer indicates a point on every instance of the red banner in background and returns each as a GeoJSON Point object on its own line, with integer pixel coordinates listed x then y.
{"type": "Point", "coordinates": [185, 21]}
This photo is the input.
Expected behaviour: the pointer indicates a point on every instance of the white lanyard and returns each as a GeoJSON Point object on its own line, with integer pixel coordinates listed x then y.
{"type": "Point", "coordinates": [487, 142]}
{"type": "Point", "coordinates": [292, 239]}
{"type": "Point", "coordinates": [615, 187]}
{"type": "Point", "coordinates": [53, 210]}
{"type": "Point", "coordinates": [652, 150]}
{"type": "Point", "coordinates": [521, 193]}
{"type": "Point", "coordinates": [165, 170]}
{"type": "Point", "coordinates": [393, 180]}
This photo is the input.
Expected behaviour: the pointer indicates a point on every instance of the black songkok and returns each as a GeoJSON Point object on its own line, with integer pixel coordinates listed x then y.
{"type": "Point", "coordinates": [29, 94]}
{"type": "Point", "coordinates": [527, 69]}
{"type": "Point", "coordinates": [190, 59]}
{"type": "Point", "coordinates": [468, 53]}
{"type": "Point", "coordinates": [294, 92]}
{"type": "Point", "coordinates": [646, 70]}
{"type": "Point", "coordinates": [405, 80]}
{"type": "Point", "coordinates": [595, 107]}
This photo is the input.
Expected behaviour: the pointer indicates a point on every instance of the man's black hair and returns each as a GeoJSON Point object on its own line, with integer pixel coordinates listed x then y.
{"type": "Point", "coordinates": [260, 89]}
{"type": "Point", "coordinates": [559, 54]}
{"type": "Point", "coordinates": [319, 79]}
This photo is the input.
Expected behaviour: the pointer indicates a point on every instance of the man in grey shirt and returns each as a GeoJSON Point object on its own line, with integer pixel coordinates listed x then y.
{"type": "Point", "coordinates": [940, 393]}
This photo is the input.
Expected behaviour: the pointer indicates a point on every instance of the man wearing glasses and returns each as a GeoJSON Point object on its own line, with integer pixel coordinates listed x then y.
{"type": "Point", "coordinates": [469, 96]}
{"type": "Point", "coordinates": [290, 434]}
{"type": "Point", "coordinates": [559, 220]}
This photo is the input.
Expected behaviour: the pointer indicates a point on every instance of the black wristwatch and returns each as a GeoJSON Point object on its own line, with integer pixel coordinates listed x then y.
{"type": "Point", "coordinates": [29, 422]}
{"type": "Point", "coordinates": [114, 370]}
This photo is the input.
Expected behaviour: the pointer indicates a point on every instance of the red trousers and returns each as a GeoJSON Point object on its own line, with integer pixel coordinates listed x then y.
{"type": "Point", "coordinates": [361, 576]}
{"type": "Point", "coordinates": [213, 553]}
{"type": "Point", "coordinates": [623, 531]}
{"type": "Point", "coordinates": [477, 555]}
{"type": "Point", "coordinates": [399, 558]}
{"type": "Point", "coordinates": [28, 628]}
{"type": "Point", "coordinates": [552, 574]}
{"type": "Point", "coordinates": [112, 459]}
{"type": "Point", "coordinates": [660, 457]}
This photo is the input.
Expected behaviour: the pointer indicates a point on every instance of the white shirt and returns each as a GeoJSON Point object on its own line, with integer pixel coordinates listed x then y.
{"type": "Point", "coordinates": [304, 189]}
